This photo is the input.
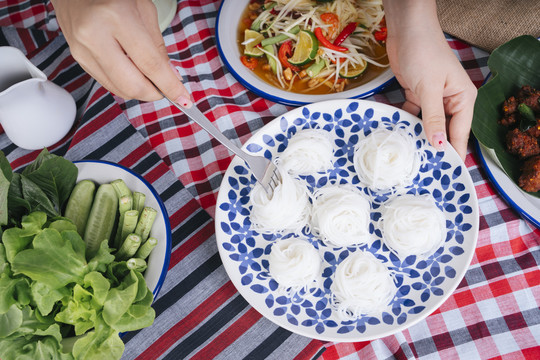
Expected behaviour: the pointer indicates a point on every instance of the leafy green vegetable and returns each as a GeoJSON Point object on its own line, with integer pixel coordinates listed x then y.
{"type": "Point", "coordinates": [54, 175]}
{"type": "Point", "coordinates": [103, 343]}
{"type": "Point", "coordinates": [513, 65]}
{"type": "Point", "coordinates": [17, 205]}
{"type": "Point", "coordinates": [55, 302]}
{"type": "Point", "coordinates": [51, 261]}
{"type": "Point", "coordinates": [44, 185]}
{"type": "Point", "coordinates": [50, 292]}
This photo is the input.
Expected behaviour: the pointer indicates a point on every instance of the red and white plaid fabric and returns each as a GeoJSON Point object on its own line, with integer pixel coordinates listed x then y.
{"type": "Point", "coordinates": [493, 314]}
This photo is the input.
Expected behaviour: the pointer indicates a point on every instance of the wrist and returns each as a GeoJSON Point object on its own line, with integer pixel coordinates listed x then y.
{"type": "Point", "coordinates": [411, 17]}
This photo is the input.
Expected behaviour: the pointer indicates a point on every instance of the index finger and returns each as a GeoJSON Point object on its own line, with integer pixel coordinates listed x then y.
{"type": "Point", "coordinates": [460, 126]}
{"type": "Point", "coordinates": [148, 52]}
{"type": "Point", "coordinates": [433, 117]}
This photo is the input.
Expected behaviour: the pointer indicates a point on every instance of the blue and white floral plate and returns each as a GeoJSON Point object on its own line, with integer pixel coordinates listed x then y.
{"type": "Point", "coordinates": [422, 285]}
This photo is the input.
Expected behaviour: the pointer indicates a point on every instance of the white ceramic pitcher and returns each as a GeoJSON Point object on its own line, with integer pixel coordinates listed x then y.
{"type": "Point", "coordinates": [34, 112]}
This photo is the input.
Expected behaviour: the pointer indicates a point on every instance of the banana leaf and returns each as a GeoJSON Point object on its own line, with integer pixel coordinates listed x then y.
{"type": "Point", "coordinates": [513, 64]}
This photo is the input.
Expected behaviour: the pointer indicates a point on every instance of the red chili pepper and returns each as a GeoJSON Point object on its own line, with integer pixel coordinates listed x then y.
{"type": "Point", "coordinates": [249, 62]}
{"type": "Point", "coordinates": [324, 41]}
{"type": "Point", "coordinates": [347, 30]}
{"type": "Point", "coordinates": [285, 51]}
{"type": "Point", "coordinates": [380, 35]}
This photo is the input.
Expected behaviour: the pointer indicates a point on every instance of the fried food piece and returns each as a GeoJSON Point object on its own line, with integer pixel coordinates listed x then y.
{"type": "Point", "coordinates": [529, 96]}
{"type": "Point", "coordinates": [522, 144]}
{"type": "Point", "coordinates": [509, 120]}
{"type": "Point", "coordinates": [510, 105]}
{"type": "Point", "coordinates": [530, 176]}
{"type": "Point", "coordinates": [535, 130]}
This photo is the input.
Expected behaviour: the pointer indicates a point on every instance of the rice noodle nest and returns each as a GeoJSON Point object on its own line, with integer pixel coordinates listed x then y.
{"type": "Point", "coordinates": [287, 210]}
{"type": "Point", "coordinates": [309, 151]}
{"type": "Point", "coordinates": [341, 216]}
{"type": "Point", "coordinates": [413, 225]}
{"type": "Point", "coordinates": [362, 285]}
{"type": "Point", "coordinates": [387, 159]}
{"type": "Point", "coordinates": [294, 263]}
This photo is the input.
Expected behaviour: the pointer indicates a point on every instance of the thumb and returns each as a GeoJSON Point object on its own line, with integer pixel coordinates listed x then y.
{"type": "Point", "coordinates": [433, 117]}
{"type": "Point", "coordinates": [181, 96]}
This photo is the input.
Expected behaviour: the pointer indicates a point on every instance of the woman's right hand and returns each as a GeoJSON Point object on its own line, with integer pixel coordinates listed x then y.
{"type": "Point", "coordinates": [118, 42]}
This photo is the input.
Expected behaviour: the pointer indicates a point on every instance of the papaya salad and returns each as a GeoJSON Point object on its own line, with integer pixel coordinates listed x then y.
{"type": "Point", "coordinates": [314, 47]}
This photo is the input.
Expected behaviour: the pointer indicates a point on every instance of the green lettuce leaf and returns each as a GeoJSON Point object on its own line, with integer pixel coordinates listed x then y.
{"type": "Point", "coordinates": [10, 321]}
{"type": "Point", "coordinates": [99, 287]}
{"type": "Point", "coordinates": [138, 316]}
{"type": "Point", "coordinates": [102, 259]}
{"type": "Point", "coordinates": [513, 65]}
{"type": "Point", "coordinates": [120, 298]}
{"type": "Point", "coordinates": [34, 325]}
{"type": "Point", "coordinates": [17, 239]}
{"type": "Point", "coordinates": [62, 224]}
{"type": "Point", "coordinates": [52, 260]}
{"type": "Point", "coordinates": [4, 264]}
{"type": "Point", "coordinates": [46, 297]}
{"type": "Point", "coordinates": [42, 343]}
{"type": "Point", "coordinates": [13, 290]}
{"type": "Point", "coordinates": [102, 343]}
{"type": "Point", "coordinates": [79, 311]}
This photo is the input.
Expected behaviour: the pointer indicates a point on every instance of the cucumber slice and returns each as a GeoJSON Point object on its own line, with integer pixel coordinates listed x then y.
{"type": "Point", "coordinates": [79, 204]}
{"type": "Point", "coordinates": [306, 48]}
{"type": "Point", "coordinates": [271, 61]}
{"type": "Point", "coordinates": [352, 71]}
{"type": "Point", "coordinates": [101, 219]}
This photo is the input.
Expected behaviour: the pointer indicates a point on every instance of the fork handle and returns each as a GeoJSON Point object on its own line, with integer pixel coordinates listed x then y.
{"type": "Point", "coordinates": [196, 115]}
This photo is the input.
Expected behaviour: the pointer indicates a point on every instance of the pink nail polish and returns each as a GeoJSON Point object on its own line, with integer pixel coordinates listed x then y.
{"type": "Point", "coordinates": [438, 140]}
{"type": "Point", "coordinates": [184, 102]}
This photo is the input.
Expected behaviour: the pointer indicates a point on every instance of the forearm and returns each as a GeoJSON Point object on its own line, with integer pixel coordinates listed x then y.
{"type": "Point", "coordinates": [410, 17]}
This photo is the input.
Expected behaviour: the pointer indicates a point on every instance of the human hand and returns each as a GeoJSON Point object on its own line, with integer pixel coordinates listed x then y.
{"type": "Point", "coordinates": [432, 77]}
{"type": "Point", "coordinates": [118, 42]}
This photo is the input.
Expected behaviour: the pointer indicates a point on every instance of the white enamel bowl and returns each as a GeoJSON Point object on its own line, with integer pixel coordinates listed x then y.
{"type": "Point", "coordinates": [229, 15]}
{"type": "Point", "coordinates": [104, 172]}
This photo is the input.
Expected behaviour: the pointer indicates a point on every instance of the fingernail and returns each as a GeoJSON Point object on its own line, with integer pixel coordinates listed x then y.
{"type": "Point", "coordinates": [438, 140]}
{"type": "Point", "coordinates": [175, 70]}
{"type": "Point", "coordinates": [184, 102]}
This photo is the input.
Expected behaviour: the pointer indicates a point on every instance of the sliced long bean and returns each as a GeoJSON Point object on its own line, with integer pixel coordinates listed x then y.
{"type": "Point", "coordinates": [146, 220]}
{"type": "Point", "coordinates": [129, 247]}
{"type": "Point", "coordinates": [146, 248]}
{"type": "Point", "coordinates": [281, 37]}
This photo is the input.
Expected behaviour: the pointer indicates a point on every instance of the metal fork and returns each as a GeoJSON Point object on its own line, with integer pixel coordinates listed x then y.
{"type": "Point", "coordinates": [265, 171]}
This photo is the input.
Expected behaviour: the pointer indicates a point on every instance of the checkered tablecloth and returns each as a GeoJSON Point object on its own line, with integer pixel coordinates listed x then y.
{"type": "Point", "coordinates": [494, 313]}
